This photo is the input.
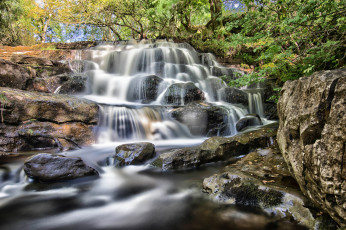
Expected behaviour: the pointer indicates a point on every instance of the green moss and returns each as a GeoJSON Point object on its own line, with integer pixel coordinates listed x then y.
{"type": "Point", "coordinates": [157, 163]}
{"type": "Point", "coordinates": [249, 194]}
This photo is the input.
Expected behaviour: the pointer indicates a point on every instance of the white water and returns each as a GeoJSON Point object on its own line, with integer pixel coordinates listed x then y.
{"type": "Point", "coordinates": [135, 82]}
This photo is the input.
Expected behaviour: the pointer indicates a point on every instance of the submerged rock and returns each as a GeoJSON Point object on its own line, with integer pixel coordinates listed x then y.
{"type": "Point", "coordinates": [217, 148]}
{"type": "Point", "coordinates": [312, 136]}
{"type": "Point", "coordinates": [134, 153]}
{"type": "Point", "coordinates": [49, 168]}
{"type": "Point", "coordinates": [248, 120]}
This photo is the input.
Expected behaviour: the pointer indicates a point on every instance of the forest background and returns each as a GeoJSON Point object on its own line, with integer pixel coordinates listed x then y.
{"type": "Point", "coordinates": [279, 40]}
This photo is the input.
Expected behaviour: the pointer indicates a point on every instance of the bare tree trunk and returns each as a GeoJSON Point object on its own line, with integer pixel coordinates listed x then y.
{"type": "Point", "coordinates": [45, 28]}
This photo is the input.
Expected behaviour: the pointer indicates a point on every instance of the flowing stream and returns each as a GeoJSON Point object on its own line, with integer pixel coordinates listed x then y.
{"type": "Point", "coordinates": [138, 86]}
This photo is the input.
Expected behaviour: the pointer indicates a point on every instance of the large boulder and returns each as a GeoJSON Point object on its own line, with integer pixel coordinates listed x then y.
{"type": "Point", "coordinates": [234, 96]}
{"type": "Point", "coordinates": [13, 75]}
{"type": "Point", "coordinates": [49, 168]}
{"type": "Point", "coordinates": [32, 121]}
{"type": "Point", "coordinates": [182, 93]}
{"type": "Point", "coordinates": [201, 118]}
{"type": "Point", "coordinates": [312, 136]}
{"type": "Point", "coordinates": [145, 89]}
{"type": "Point", "coordinates": [217, 148]}
{"type": "Point", "coordinates": [22, 106]}
{"type": "Point", "coordinates": [134, 153]}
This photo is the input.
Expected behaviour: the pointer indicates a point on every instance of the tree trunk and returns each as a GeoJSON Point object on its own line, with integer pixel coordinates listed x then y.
{"type": "Point", "coordinates": [216, 13]}
{"type": "Point", "coordinates": [45, 28]}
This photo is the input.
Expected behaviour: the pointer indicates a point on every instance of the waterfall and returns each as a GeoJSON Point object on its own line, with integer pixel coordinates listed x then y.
{"type": "Point", "coordinates": [136, 84]}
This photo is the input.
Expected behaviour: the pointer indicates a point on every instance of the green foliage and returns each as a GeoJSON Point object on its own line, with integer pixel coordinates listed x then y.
{"type": "Point", "coordinates": [3, 104]}
{"type": "Point", "coordinates": [287, 39]}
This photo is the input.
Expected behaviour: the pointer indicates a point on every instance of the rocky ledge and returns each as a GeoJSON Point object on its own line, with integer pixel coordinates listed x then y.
{"type": "Point", "coordinates": [312, 136]}
{"type": "Point", "coordinates": [262, 181]}
{"type": "Point", "coordinates": [217, 148]}
{"type": "Point", "coordinates": [34, 121]}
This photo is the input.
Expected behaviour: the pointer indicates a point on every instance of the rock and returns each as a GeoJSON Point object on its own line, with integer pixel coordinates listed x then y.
{"type": "Point", "coordinates": [35, 135]}
{"type": "Point", "coordinates": [30, 60]}
{"type": "Point", "coordinates": [145, 89]}
{"type": "Point", "coordinates": [134, 153]}
{"type": "Point", "coordinates": [234, 96]}
{"type": "Point", "coordinates": [43, 67]}
{"type": "Point", "coordinates": [201, 118]}
{"type": "Point", "coordinates": [312, 135]}
{"type": "Point", "coordinates": [75, 84]}
{"type": "Point", "coordinates": [248, 120]}
{"type": "Point", "coordinates": [237, 188]}
{"type": "Point", "coordinates": [217, 148]}
{"type": "Point", "coordinates": [34, 121]}
{"type": "Point", "coordinates": [270, 111]}
{"type": "Point", "coordinates": [182, 93]}
{"type": "Point", "coordinates": [49, 168]}
{"type": "Point", "coordinates": [219, 71]}
{"type": "Point", "coordinates": [22, 106]}
{"type": "Point", "coordinates": [13, 75]}
{"type": "Point", "coordinates": [76, 45]}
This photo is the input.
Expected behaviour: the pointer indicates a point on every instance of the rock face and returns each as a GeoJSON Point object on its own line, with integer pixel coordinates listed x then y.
{"type": "Point", "coordinates": [32, 121]}
{"type": "Point", "coordinates": [216, 148]}
{"type": "Point", "coordinates": [262, 180]}
{"type": "Point", "coordinates": [13, 75]}
{"type": "Point", "coordinates": [48, 168]}
{"type": "Point", "coordinates": [312, 135]}
{"type": "Point", "coordinates": [134, 153]}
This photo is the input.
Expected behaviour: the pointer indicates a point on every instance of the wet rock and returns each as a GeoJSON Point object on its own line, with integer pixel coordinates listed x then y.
{"type": "Point", "coordinates": [235, 187]}
{"type": "Point", "coordinates": [145, 89]}
{"type": "Point", "coordinates": [75, 84]}
{"type": "Point", "coordinates": [134, 153]}
{"type": "Point", "coordinates": [46, 85]}
{"type": "Point", "coordinates": [201, 118]}
{"type": "Point", "coordinates": [35, 135]}
{"type": "Point", "coordinates": [33, 121]}
{"type": "Point", "coordinates": [248, 120]}
{"type": "Point", "coordinates": [22, 106]}
{"type": "Point", "coordinates": [217, 148]}
{"type": "Point", "coordinates": [182, 93]}
{"type": "Point", "coordinates": [234, 96]}
{"type": "Point", "coordinates": [270, 111]}
{"type": "Point", "coordinates": [49, 168]}
{"type": "Point", "coordinates": [312, 135]}
{"type": "Point", "coordinates": [13, 75]}
{"type": "Point", "coordinates": [232, 73]}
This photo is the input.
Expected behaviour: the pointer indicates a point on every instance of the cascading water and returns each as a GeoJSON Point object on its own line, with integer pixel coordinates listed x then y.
{"type": "Point", "coordinates": [160, 91]}
{"type": "Point", "coordinates": [136, 84]}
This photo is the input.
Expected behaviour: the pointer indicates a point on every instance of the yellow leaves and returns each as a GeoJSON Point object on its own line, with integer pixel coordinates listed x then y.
{"type": "Point", "coordinates": [268, 65]}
